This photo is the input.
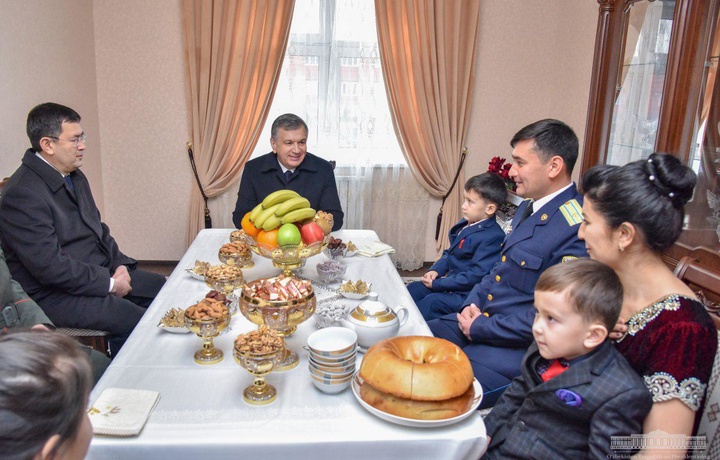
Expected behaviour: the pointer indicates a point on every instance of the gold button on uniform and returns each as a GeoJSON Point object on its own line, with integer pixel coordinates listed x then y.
{"type": "Point", "coordinates": [489, 296]}
{"type": "Point", "coordinates": [522, 264]}
{"type": "Point", "coordinates": [503, 258]}
{"type": "Point", "coordinates": [497, 278]}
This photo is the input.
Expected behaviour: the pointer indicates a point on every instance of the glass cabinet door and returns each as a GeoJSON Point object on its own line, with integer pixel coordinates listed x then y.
{"type": "Point", "coordinates": [702, 221]}
{"type": "Point", "coordinates": [647, 26]}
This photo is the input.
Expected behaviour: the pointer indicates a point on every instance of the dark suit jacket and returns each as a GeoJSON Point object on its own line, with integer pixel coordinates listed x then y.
{"type": "Point", "coordinates": [531, 421]}
{"type": "Point", "coordinates": [314, 179]}
{"type": "Point", "coordinates": [53, 237]}
{"type": "Point", "coordinates": [471, 255]}
{"type": "Point", "coordinates": [544, 239]}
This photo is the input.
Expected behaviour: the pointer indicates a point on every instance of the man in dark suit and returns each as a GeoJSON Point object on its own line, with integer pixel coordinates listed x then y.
{"type": "Point", "coordinates": [56, 246]}
{"type": "Point", "coordinates": [494, 326]}
{"type": "Point", "coordinates": [289, 166]}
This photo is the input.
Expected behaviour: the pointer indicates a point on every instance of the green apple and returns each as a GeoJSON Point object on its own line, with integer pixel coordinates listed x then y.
{"type": "Point", "coordinates": [288, 235]}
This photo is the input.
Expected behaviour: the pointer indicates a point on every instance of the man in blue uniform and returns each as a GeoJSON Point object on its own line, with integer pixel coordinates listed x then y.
{"type": "Point", "coordinates": [289, 166]}
{"type": "Point", "coordinates": [494, 327]}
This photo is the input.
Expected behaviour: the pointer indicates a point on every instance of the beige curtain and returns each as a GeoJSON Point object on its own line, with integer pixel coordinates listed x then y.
{"type": "Point", "coordinates": [234, 52]}
{"type": "Point", "coordinates": [427, 50]}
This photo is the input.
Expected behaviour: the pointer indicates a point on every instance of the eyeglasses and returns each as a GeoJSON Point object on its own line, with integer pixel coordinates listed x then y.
{"type": "Point", "coordinates": [82, 138]}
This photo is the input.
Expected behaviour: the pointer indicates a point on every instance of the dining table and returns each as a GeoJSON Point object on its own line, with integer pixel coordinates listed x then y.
{"type": "Point", "coordinates": [201, 413]}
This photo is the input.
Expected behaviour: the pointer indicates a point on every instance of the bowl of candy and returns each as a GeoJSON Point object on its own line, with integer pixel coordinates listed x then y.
{"type": "Point", "coordinates": [329, 315]}
{"type": "Point", "coordinates": [330, 271]}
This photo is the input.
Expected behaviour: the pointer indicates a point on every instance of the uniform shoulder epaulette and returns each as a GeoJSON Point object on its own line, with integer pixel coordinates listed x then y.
{"type": "Point", "coordinates": [572, 211]}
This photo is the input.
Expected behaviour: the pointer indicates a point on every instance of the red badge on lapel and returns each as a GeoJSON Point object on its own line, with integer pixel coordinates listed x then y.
{"type": "Point", "coordinates": [461, 243]}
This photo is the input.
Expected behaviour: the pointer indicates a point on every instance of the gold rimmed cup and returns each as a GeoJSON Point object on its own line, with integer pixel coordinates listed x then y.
{"type": "Point", "coordinates": [332, 343]}
{"type": "Point", "coordinates": [259, 365]}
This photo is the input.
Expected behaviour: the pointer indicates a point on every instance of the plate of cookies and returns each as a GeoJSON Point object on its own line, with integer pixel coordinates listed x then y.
{"type": "Point", "coordinates": [174, 321]}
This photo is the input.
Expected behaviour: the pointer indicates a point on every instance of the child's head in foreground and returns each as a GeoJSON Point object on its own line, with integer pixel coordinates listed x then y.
{"type": "Point", "coordinates": [577, 303]}
{"type": "Point", "coordinates": [484, 193]}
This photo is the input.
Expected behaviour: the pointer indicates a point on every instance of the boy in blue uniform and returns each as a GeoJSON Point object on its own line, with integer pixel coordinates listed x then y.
{"type": "Point", "coordinates": [575, 391]}
{"type": "Point", "coordinates": [494, 327]}
{"type": "Point", "coordinates": [475, 244]}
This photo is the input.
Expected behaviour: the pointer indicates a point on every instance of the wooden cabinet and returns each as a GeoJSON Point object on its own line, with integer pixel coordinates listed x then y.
{"type": "Point", "coordinates": [653, 89]}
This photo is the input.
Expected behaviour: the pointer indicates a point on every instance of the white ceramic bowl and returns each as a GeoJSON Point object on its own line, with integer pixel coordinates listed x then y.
{"type": "Point", "coordinates": [332, 342]}
{"type": "Point", "coordinates": [331, 387]}
{"type": "Point", "coordinates": [331, 376]}
{"type": "Point", "coordinates": [332, 368]}
{"type": "Point", "coordinates": [339, 362]}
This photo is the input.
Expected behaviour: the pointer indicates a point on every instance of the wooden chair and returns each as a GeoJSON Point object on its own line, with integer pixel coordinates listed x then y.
{"type": "Point", "coordinates": [89, 337]}
{"type": "Point", "coordinates": [705, 281]}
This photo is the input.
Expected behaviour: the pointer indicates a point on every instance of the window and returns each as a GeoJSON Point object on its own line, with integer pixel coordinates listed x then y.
{"type": "Point", "coordinates": [331, 77]}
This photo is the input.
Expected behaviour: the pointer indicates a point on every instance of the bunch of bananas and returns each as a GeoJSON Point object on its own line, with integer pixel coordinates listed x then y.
{"type": "Point", "coordinates": [281, 207]}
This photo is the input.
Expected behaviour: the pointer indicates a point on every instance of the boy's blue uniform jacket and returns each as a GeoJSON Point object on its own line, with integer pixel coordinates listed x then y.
{"type": "Point", "coordinates": [573, 415]}
{"type": "Point", "coordinates": [472, 253]}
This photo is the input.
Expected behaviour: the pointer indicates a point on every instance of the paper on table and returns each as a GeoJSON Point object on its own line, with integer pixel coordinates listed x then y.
{"type": "Point", "coordinates": [374, 249]}
{"type": "Point", "coordinates": [122, 411]}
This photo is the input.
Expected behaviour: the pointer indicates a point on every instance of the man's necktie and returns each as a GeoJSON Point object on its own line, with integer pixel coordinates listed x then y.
{"type": "Point", "coordinates": [528, 211]}
{"type": "Point", "coordinates": [288, 174]}
{"type": "Point", "coordinates": [70, 183]}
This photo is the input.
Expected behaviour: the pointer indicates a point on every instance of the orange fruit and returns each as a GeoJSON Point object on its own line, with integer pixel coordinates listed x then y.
{"type": "Point", "coordinates": [248, 226]}
{"type": "Point", "coordinates": [268, 239]}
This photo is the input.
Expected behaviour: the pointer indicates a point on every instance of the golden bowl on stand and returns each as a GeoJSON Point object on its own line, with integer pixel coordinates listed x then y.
{"type": "Point", "coordinates": [207, 328]}
{"type": "Point", "coordinates": [286, 258]}
{"type": "Point", "coordinates": [259, 365]}
{"type": "Point", "coordinates": [281, 315]}
{"type": "Point", "coordinates": [239, 256]}
{"type": "Point", "coordinates": [225, 279]}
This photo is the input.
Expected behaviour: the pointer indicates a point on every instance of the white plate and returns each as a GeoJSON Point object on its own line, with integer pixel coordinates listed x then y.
{"type": "Point", "coordinates": [357, 381]}
{"type": "Point", "coordinates": [175, 330]}
{"type": "Point", "coordinates": [195, 275]}
{"type": "Point", "coordinates": [353, 295]}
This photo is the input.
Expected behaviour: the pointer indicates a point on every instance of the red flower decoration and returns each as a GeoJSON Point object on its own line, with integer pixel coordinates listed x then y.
{"type": "Point", "coordinates": [498, 166]}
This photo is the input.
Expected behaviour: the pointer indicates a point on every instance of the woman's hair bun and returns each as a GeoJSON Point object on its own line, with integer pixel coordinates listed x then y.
{"type": "Point", "coordinates": [671, 178]}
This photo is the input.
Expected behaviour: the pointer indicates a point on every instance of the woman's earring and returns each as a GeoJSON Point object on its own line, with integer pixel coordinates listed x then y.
{"type": "Point", "coordinates": [620, 247]}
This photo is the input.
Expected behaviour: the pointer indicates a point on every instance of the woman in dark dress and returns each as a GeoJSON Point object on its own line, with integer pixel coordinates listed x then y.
{"type": "Point", "coordinates": [632, 213]}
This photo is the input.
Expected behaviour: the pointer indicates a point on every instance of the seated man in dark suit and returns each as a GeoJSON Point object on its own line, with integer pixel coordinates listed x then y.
{"type": "Point", "coordinates": [494, 327]}
{"type": "Point", "coordinates": [289, 166]}
{"type": "Point", "coordinates": [56, 246]}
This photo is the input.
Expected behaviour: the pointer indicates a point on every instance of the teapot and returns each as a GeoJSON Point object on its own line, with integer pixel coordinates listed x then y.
{"type": "Point", "coordinates": [374, 321]}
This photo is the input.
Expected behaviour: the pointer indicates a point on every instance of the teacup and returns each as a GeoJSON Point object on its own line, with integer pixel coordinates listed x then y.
{"type": "Point", "coordinates": [332, 343]}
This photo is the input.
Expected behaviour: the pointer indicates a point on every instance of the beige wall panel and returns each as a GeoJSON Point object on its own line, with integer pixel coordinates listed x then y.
{"type": "Point", "coordinates": [47, 54]}
{"type": "Point", "coordinates": [143, 121]}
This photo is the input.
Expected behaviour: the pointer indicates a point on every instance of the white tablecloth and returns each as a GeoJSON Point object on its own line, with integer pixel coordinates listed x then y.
{"type": "Point", "coordinates": [201, 413]}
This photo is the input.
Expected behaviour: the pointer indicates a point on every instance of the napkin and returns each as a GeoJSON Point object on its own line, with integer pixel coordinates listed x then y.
{"type": "Point", "coordinates": [122, 411]}
{"type": "Point", "coordinates": [374, 249]}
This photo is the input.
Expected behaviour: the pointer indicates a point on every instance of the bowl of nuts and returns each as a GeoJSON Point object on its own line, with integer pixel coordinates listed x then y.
{"type": "Point", "coordinates": [224, 278]}
{"type": "Point", "coordinates": [237, 253]}
{"type": "Point", "coordinates": [259, 352]}
{"type": "Point", "coordinates": [330, 271]}
{"type": "Point", "coordinates": [207, 319]}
